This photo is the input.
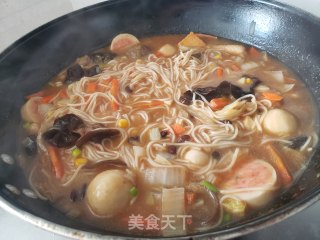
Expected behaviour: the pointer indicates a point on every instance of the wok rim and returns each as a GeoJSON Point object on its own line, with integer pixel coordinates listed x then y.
{"type": "Point", "coordinates": [256, 224]}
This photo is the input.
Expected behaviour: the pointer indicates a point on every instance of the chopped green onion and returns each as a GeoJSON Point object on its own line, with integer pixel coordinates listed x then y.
{"type": "Point", "coordinates": [226, 218]}
{"type": "Point", "coordinates": [76, 152]}
{"type": "Point", "coordinates": [26, 125]}
{"type": "Point", "coordinates": [133, 191]}
{"type": "Point", "coordinates": [209, 186]}
{"type": "Point", "coordinates": [234, 206]}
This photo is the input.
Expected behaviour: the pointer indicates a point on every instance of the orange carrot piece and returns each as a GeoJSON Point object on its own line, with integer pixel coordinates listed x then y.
{"type": "Point", "coordinates": [47, 99]}
{"type": "Point", "coordinates": [272, 96]}
{"type": "Point", "coordinates": [56, 161]}
{"type": "Point", "coordinates": [219, 103]}
{"type": "Point", "coordinates": [254, 53]}
{"type": "Point", "coordinates": [115, 93]}
{"type": "Point", "coordinates": [178, 128]}
{"type": "Point", "coordinates": [277, 161]}
{"type": "Point", "coordinates": [235, 67]}
{"type": "Point", "coordinates": [219, 72]}
{"type": "Point", "coordinates": [115, 87]}
{"type": "Point", "coordinates": [91, 87]}
{"type": "Point", "coordinates": [190, 197]}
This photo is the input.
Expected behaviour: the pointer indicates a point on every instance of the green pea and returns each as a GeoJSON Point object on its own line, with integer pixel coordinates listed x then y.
{"type": "Point", "coordinates": [76, 152]}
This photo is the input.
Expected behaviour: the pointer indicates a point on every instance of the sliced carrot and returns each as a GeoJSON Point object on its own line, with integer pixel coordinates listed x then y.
{"type": "Point", "coordinates": [235, 67]}
{"type": "Point", "coordinates": [115, 93]}
{"type": "Point", "coordinates": [272, 96]}
{"type": "Point", "coordinates": [56, 161]}
{"type": "Point", "coordinates": [254, 53]}
{"type": "Point", "coordinates": [219, 103]}
{"type": "Point", "coordinates": [91, 87]}
{"type": "Point", "coordinates": [178, 128]}
{"type": "Point", "coordinates": [190, 197]}
{"type": "Point", "coordinates": [219, 72]}
{"type": "Point", "coordinates": [47, 99]}
{"type": "Point", "coordinates": [277, 161]}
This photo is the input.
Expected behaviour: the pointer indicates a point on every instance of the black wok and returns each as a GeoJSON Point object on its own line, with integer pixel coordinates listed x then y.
{"type": "Point", "coordinates": [289, 34]}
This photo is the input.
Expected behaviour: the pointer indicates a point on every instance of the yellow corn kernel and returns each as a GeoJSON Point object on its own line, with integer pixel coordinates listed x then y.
{"type": "Point", "coordinates": [248, 80]}
{"type": "Point", "coordinates": [123, 123]}
{"type": "Point", "coordinates": [218, 56]}
{"type": "Point", "coordinates": [80, 161]}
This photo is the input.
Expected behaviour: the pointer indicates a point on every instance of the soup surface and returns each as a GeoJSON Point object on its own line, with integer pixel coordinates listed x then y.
{"type": "Point", "coordinates": [167, 135]}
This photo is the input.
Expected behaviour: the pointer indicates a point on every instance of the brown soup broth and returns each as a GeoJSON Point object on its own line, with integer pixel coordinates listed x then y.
{"type": "Point", "coordinates": [235, 146]}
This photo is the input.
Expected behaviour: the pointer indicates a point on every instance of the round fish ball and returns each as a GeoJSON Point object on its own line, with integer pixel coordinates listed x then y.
{"type": "Point", "coordinates": [108, 193]}
{"type": "Point", "coordinates": [197, 157]}
{"type": "Point", "coordinates": [279, 122]}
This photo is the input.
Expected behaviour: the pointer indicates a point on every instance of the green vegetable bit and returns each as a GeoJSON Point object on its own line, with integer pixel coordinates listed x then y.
{"type": "Point", "coordinates": [226, 218]}
{"type": "Point", "coordinates": [133, 191]}
{"type": "Point", "coordinates": [76, 152]}
{"type": "Point", "coordinates": [209, 186]}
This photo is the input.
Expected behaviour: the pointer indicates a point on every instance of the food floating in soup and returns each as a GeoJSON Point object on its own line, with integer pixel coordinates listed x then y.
{"type": "Point", "coordinates": [194, 128]}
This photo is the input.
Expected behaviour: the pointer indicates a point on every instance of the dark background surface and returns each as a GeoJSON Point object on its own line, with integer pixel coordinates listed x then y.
{"type": "Point", "coordinates": [302, 226]}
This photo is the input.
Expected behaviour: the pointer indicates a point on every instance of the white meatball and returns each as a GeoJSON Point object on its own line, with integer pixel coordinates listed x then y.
{"type": "Point", "coordinates": [167, 50]}
{"type": "Point", "coordinates": [108, 193]}
{"type": "Point", "coordinates": [280, 123]}
{"type": "Point", "coordinates": [197, 157]}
